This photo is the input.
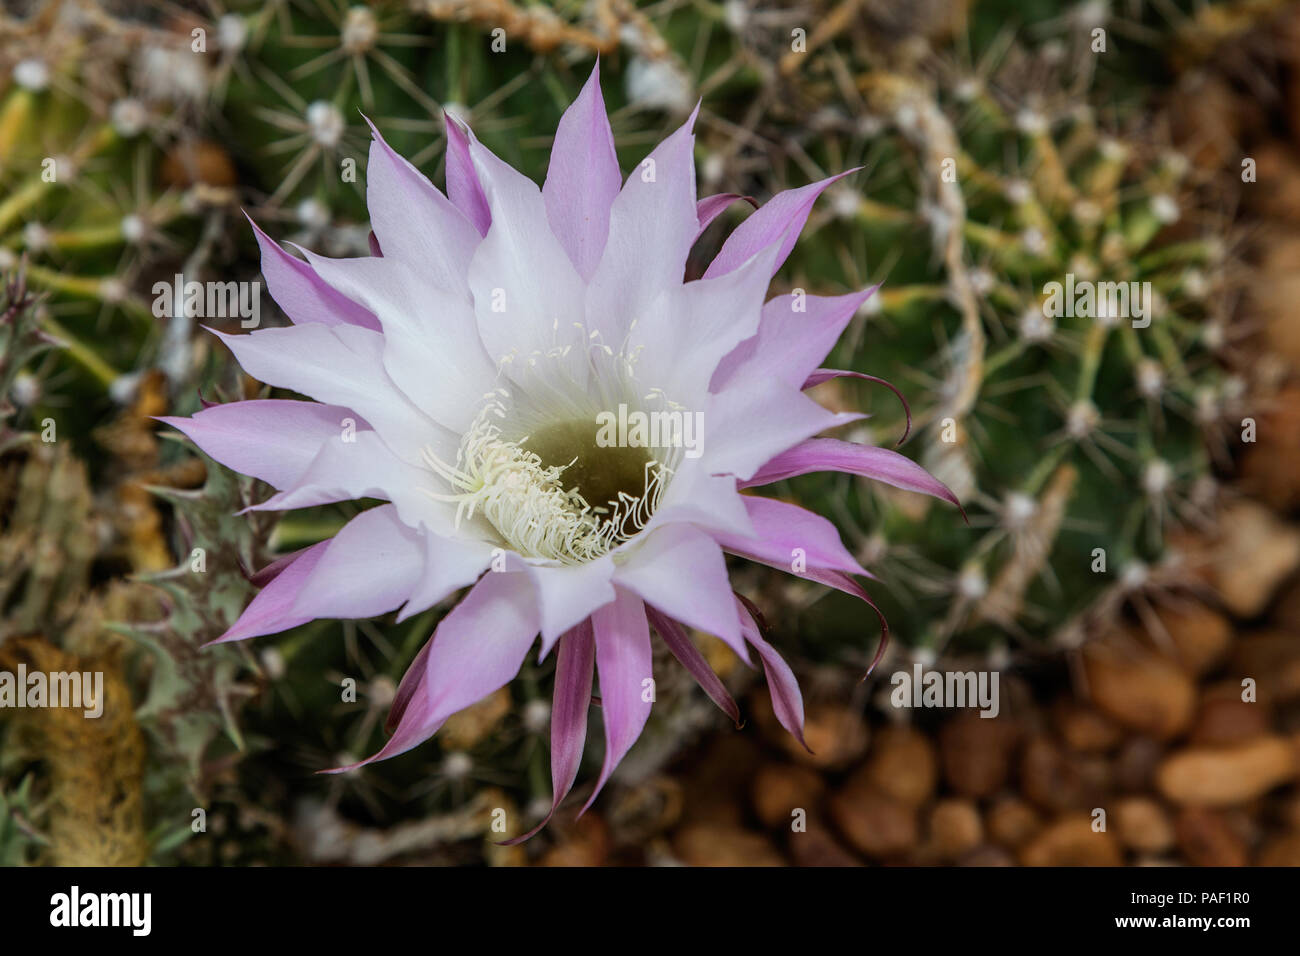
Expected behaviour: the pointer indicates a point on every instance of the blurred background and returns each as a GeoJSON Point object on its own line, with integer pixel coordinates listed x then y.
{"type": "Point", "coordinates": [1130, 566]}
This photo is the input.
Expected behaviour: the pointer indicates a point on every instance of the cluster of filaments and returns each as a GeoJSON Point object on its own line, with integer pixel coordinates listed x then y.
{"type": "Point", "coordinates": [530, 503]}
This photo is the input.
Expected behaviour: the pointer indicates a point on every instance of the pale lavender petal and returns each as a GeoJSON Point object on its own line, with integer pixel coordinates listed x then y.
{"type": "Point", "coordinates": [780, 219]}
{"type": "Point", "coordinates": [341, 365]}
{"type": "Point", "coordinates": [574, 665]}
{"type": "Point", "coordinates": [681, 570]}
{"type": "Point", "coordinates": [796, 333]}
{"type": "Point", "coordinates": [583, 178]}
{"type": "Point", "coordinates": [689, 656]}
{"type": "Point", "coordinates": [869, 461]}
{"type": "Point", "coordinates": [271, 610]}
{"type": "Point", "coordinates": [711, 207]}
{"type": "Point", "coordinates": [450, 563]}
{"type": "Point", "coordinates": [413, 221]}
{"type": "Point", "coordinates": [569, 594]}
{"type": "Point", "coordinates": [623, 660]}
{"type": "Point", "coordinates": [463, 187]}
{"type": "Point", "coordinates": [271, 439]}
{"type": "Point", "coordinates": [302, 294]}
{"type": "Point", "coordinates": [370, 568]}
{"type": "Point", "coordinates": [734, 446]}
{"type": "Point", "coordinates": [786, 535]}
{"type": "Point", "coordinates": [652, 227]}
{"type": "Point", "coordinates": [475, 650]}
{"type": "Point", "coordinates": [787, 701]}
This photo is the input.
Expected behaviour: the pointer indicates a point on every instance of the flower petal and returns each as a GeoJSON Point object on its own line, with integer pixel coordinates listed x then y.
{"type": "Point", "coordinates": [463, 187]}
{"type": "Point", "coordinates": [569, 594]}
{"type": "Point", "coordinates": [787, 701]}
{"type": "Point", "coordinates": [450, 563]}
{"type": "Point", "coordinates": [623, 660]}
{"type": "Point", "coordinates": [271, 439]}
{"type": "Point", "coordinates": [869, 461]}
{"type": "Point", "coordinates": [680, 570]}
{"type": "Point", "coordinates": [370, 568]}
{"type": "Point", "coordinates": [476, 649]}
{"type": "Point", "coordinates": [341, 365]}
{"type": "Point", "coordinates": [795, 334]}
{"type": "Point", "coordinates": [779, 220]}
{"type": "Point", "coordinates": [302, 294]}
{"type": "Point", "coordinates": [270, 611]}
{"type": "Point", "coordinates": [413, 221]}
{"type": "Point", "coordinates": [689, 656]}
{"type": "Point", "coordinates": [583, 178]}
{"type": "Point", "coordinates": [787, 535]}
{"type": "Point", "coordinates": [652, 226]}
{"type": "Point", "coordinates": [574, 666]}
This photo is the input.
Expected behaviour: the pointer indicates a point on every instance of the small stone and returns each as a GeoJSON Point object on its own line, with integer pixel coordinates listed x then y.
{"type": "Point", "coordinates": [1206, 839]}
{"type": "Point", "coordinates": [1201, 636]}
{"type": "Point", "coordinates": [584, 843]}
{"type": "Point", "coordinates": [1011, 822]}
{"type": "Point", "coordinates": [902, 764]}
{"type": "Point", "coordinates": [1141, 690]}
{"type": "Point", "coordinates": [818, 846]}
{"type": "Point", "coordinates": [1085, 728]}
{"type": "Point", "coordinates": [1071, 841]}
{"type": "Point", "coordinates": [955, 827]}
{"type": "Point", "coordinates": [976, 752]}
{"type": "Point", "coordinates": [1222, 776]}
{"type": "Point", "coordinates": [875, 823]}
{"type": "Point", "coordinates": [1056, 779]}
{"type": "Point", "coordinates": [1271, 658]}
{"type": "Point", "coordinates": [1255, 553]}
{"type": "Point", "coordinates": [1136, 763]}
{"type": "Point", "coordinates": [1222, 717]}
{"type": "Point", "coordinates": [987, 856]}
{"type": "Point", "coordinates": [780, 789]}
{"type": "Point", "coordinates": [836, 735]}
{"type": "Point", "coordinates": [707, 845]}
{"type": "Point", "coordinates": [1281, 851]}
{"type": "Point", "coordinates": [1270, 465]}
{"type": "Point", "coordinates": [1142, 824]}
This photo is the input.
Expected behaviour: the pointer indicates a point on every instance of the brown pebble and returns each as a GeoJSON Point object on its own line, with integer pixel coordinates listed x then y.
{"type": "Point", "coordinates": [902, 764]}
{"type": "Point", "coordinates": [987, 856]}
{"type": "Point", "coordinates": [955, 827]}
{"type": "Point", "coordinates": [1071, 841]}
{"type": "Point", "coordinates": [198, 161]}
{"type": "Point", "coordinates": [976, 752]}
{"type": "Point", "coordinates": [1056, 779]}
{"type": "Point", "coordinates": [1012, 821]}
{"type": "Point", "coordinates": [709, 845]}
{"type": "Point", "coordinates": [818, 846]}
{"type": "Point", "coordinates": [1206, 839]}
{"type": "Point", "coordinates": [1143, 824]}
{"type": "Point", "coordinates": [1271, 658]}
{"type": "Point", "coordinates": [1256, 550]}
{"type": "Point", "coordinates": [1222, 717]}
{"type": "Point", "coordinates": [1222, 776]}
{"type": "Point", "coordinates": [1138, 688]}
{"type": "Point", "coordinates": [874, 823]}
{"type": "Point", "coordinates": [836, 735]}
{"type": "Point", "coordinates": [1281, 850]}
{"type": "Point", "coordinates": [1200, 636]}
{"type": "Point", "coordinates": [780, 789]}
{"type": "Point", "coordinates": [1136, 763]}
{"type": "Point", "coordinates": [585, 842]}
{"type": "Point", "coordinates": [1084, 728]}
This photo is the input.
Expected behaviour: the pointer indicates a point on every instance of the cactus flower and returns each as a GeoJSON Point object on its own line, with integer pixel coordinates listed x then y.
{"type": "Point", "coordinates": [556, 419]}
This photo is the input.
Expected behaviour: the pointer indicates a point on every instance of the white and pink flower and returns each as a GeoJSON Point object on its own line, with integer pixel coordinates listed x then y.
{"type": "Point", "coordinates": [475, 352]}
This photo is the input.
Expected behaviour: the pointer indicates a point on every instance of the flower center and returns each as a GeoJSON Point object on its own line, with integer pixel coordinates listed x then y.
{"type": "Point", "coordinates": [558, 493]}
